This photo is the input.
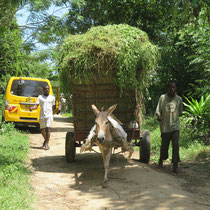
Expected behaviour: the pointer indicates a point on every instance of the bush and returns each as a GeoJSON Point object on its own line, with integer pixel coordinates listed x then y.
{"type": "Point", "coordinates": [7, 129]}
{"type": "Point", "coordinates": [197, 118]}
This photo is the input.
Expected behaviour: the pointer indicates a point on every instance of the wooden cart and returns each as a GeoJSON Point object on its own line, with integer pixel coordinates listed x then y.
{"type": "Point", "coordinates": [91, 64]}
{"type": "Point", "coordinates": [104, 93]}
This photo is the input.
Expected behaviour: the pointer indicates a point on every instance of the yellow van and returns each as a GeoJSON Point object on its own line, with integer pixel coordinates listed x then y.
{"type": "Point", "coordinates": [21, 93]}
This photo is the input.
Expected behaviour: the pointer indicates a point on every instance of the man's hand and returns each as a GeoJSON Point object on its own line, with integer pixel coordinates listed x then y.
{"type": "Point", "coordinates": [159, 118]}
{"type": "Point", "coordinates": [33, 107]}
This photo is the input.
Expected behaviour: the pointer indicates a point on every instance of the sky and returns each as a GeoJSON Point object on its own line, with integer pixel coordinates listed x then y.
{"type": "Point", "coordinates": [22, 19]}
{"type": "Point", "coordinates": [23, 15]}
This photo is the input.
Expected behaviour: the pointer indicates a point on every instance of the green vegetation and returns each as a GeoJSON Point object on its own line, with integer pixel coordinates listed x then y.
{"type": "Point", "coordinates": [15, 189]}
{"type": "Point", "coordinates": [197, 120]}
{"type": "Point", "coordinates": [190, 148]}
{"type": "Point", "coordinates": [119, 51]}
{"type": "Point", "coordinates": [68, 114]}
{"type": "Point", "coordinates": [17, 57]}
{"type": "Point", "coordinates": [194, 41]}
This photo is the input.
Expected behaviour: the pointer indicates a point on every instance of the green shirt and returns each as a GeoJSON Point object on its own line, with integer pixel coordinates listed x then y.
{"type": "Point", "coordinates": [169, 109]}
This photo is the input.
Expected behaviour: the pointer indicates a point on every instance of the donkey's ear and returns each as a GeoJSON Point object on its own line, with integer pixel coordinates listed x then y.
{"type": "Point", "coordinates": [111, 108]}
{"type": "Point", "coordinates": [95, 110]}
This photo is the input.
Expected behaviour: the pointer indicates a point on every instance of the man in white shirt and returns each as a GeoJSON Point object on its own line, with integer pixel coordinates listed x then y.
{"type": "Point", "coordinates": [47, 104]}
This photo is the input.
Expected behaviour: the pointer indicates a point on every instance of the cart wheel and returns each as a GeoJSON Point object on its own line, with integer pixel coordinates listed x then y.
{"type": "Point", "coordinates": [145, 147]}
{"type": "Point", "coordinates": [70, 148]}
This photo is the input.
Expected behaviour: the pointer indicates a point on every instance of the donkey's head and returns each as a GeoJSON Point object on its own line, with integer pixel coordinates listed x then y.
{"type": "Point", "coordinates": [102, 123]}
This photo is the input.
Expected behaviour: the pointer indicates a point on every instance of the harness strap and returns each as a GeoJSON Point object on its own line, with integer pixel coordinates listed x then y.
{"type": "Point", "coordinates": [112, 153]}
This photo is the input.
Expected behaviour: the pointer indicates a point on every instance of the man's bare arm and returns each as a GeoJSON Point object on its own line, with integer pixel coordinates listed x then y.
{"type": "Point", "coordinates": [158, 116]}
{"type": "Point", "coordinates": [34, 107]}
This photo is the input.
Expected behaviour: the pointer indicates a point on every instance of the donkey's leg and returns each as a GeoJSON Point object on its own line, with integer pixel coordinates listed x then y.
{"type": "Point", "coordinates": [106, 158]}
{"type": "Point", "coordinates": [88, 144]}
{"type": "Point", "coordinates": [106, 163]}
{"type": "Point", "coordinates": [127, 147]}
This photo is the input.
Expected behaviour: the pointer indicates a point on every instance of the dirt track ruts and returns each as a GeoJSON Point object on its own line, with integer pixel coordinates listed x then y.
{"type": "Point", "coordinates": [59, 185]}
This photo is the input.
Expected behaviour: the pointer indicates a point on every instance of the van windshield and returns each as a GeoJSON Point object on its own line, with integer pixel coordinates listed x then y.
{"type": "Point", "coordinates": [28, 88]}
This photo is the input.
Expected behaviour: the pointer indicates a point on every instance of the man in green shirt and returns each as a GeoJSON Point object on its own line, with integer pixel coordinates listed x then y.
{"type": "Point", "coordinates": [168, 110]}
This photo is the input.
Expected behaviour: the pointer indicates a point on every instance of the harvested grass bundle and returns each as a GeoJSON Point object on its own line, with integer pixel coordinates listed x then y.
{"type": "Point", "coordinates": [121, 52]}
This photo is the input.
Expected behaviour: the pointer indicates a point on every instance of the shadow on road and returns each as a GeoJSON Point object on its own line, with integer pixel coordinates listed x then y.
{"type": "Point", "coordinates": [58, 118]}
{"type": "Point", "coordinates": [133, 186]}
{"type": "Point", "coordinates": [65, 124]}
{"type": "Point", "coordinates": [86, 168]}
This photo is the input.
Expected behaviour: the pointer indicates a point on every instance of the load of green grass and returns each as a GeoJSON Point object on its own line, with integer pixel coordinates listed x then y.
{"type": "Point", "coordinates": [120, 51]}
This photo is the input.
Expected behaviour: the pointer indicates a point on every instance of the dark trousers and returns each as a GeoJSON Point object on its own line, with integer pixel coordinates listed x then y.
{"type": "Point", "coordinates": [166, 138]}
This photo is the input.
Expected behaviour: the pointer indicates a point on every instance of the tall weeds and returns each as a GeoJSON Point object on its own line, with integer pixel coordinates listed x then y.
{"type": "Point", "coordinates": [15, 189]}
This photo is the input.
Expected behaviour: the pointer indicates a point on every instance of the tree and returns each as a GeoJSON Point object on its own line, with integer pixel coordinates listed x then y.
{"type": "Point", "coordinates": [14, 54]}
{"type": "Point", "coordinates": [199, 59]}
{"type": "Point", "coordinates": [11, 56]}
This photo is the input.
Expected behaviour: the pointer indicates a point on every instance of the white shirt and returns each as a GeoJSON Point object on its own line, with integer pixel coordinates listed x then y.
{"type": "Point", "coordinates": [46, 103]}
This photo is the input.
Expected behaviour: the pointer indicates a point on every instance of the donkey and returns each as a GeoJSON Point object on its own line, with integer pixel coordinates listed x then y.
{"type": "Point", "coordinates": [106, 134]}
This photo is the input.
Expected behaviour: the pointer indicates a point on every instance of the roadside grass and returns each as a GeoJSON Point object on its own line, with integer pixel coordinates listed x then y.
{"type": "Point", "coordinates": [68, 114]}
{"type": "Point", "coordinates": [15, 188]}
{"type": "Point", "coordinates": [190, 149]}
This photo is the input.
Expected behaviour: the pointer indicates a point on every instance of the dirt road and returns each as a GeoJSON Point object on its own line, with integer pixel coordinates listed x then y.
{"type": "Point", "coordinates": [132, 185]}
